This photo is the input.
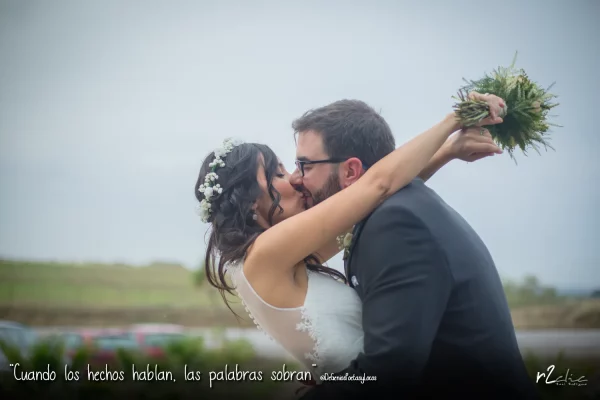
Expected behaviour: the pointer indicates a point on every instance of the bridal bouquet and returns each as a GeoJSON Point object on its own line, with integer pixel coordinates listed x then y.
{"type": "Point", "coordinates": [527, 104]}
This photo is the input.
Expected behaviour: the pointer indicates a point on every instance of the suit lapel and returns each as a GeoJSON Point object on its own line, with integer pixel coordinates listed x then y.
{"type": "Point", "coordinates": [355, 233]}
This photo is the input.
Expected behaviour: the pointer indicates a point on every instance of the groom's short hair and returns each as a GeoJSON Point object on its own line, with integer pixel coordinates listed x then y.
{"type": "Point", "coordinates": [349, 128]}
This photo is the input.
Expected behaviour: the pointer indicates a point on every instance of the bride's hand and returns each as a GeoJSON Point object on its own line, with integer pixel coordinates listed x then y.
{"type": "Point", "coordinates": [497, 106]}
{"type": "Point", "coordinates": [471, 144]}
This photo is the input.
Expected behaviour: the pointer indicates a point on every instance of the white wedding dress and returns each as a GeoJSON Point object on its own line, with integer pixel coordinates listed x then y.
{"type": "Point", "coordinates": [326, 331]}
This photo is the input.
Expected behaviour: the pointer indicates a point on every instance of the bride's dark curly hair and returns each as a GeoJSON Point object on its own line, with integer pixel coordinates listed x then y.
{"type": "Point", "coordinates": [232, 228]}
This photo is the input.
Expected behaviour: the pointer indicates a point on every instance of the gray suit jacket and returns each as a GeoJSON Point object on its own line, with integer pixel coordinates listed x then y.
{"type": "Point", "coordinates": [435, 315]}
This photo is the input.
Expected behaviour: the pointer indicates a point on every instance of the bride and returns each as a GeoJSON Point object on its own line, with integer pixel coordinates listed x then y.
{"type": "Point", "coordinates": [268, 249]}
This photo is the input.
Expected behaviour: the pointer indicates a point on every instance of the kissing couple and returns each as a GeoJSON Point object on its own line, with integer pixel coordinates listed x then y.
{"type": "Point", "coordinates": [421, 306]}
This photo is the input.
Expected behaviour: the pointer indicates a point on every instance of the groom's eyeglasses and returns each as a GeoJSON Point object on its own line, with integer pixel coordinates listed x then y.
{"type": "Point", "coordinates": [301, 163]}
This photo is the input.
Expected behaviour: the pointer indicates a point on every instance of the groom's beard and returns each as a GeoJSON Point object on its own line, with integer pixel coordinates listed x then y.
{"type": "Point", "coordinates": [331, 187]}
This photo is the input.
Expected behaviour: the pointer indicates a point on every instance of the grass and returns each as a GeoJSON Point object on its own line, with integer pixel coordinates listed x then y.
{"type": "Point", "coordinates": [181, 357]}
{"type": "Point", "coordinates": [98, 286]}
{"type": "Point", "coordinates": [192, 354]}
{"type": "Point", "coordinates": [572, 314]}
{"type": "Point", "coordinates": [45, 294]}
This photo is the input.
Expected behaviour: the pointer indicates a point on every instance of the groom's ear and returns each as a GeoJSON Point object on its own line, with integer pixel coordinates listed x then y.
{"type": "Point", "coordinates": [352, 169]}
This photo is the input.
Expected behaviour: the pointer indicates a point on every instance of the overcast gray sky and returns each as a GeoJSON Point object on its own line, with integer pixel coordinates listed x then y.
{"type": "Point", "coordinates": [107, 109]}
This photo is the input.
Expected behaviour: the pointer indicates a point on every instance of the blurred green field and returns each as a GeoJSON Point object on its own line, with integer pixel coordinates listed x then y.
{"type": "Point", "coordinates": [98, 286]}
{"type": "Point", "coordinates": [45, 293]}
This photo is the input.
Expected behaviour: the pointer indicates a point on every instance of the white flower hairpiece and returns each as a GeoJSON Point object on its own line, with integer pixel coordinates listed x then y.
{"type": "Point", "coordinates": [209, 188]}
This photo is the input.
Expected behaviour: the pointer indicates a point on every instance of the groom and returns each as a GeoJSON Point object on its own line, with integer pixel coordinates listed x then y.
{"type": "Point", "coordinates": [435, 317]}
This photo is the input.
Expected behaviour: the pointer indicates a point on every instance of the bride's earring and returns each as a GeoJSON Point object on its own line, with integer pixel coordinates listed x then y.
{"type": "Point", "coordinates": [254, 216]}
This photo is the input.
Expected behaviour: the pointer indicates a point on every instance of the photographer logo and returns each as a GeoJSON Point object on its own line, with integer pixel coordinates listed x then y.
{"type": "Point", "coordinates": [568, 378]}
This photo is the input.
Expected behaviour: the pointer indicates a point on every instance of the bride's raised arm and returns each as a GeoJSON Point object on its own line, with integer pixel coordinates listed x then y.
{"type": "Point", "coordinates": [290, 241]}
{"type": "Point", "coordinates": [466, 145]}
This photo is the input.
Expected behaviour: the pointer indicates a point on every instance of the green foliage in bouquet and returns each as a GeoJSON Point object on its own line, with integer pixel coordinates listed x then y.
{"type": "Point", "coordinates": [527, 104]}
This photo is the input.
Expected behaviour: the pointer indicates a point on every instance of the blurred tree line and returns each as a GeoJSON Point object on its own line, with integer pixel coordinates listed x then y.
{"type": "Point", "coordinates": [529, 292]}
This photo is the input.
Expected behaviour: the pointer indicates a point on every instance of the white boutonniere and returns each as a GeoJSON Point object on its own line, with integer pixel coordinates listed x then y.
{"type": "Point", "coordinates": [344, 242]}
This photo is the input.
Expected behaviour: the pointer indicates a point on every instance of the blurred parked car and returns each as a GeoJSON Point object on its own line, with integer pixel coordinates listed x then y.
{"type": "Point", "coordinates": [18, 335]}
{"type": "Point", "coordinates": [105, 345]}
{"type": "Point", "coordinates": [102, 344]}
{"type": "Point", "coordinates": [74, 340]}
{"type": "Point", "coordinates": [154, 338]}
